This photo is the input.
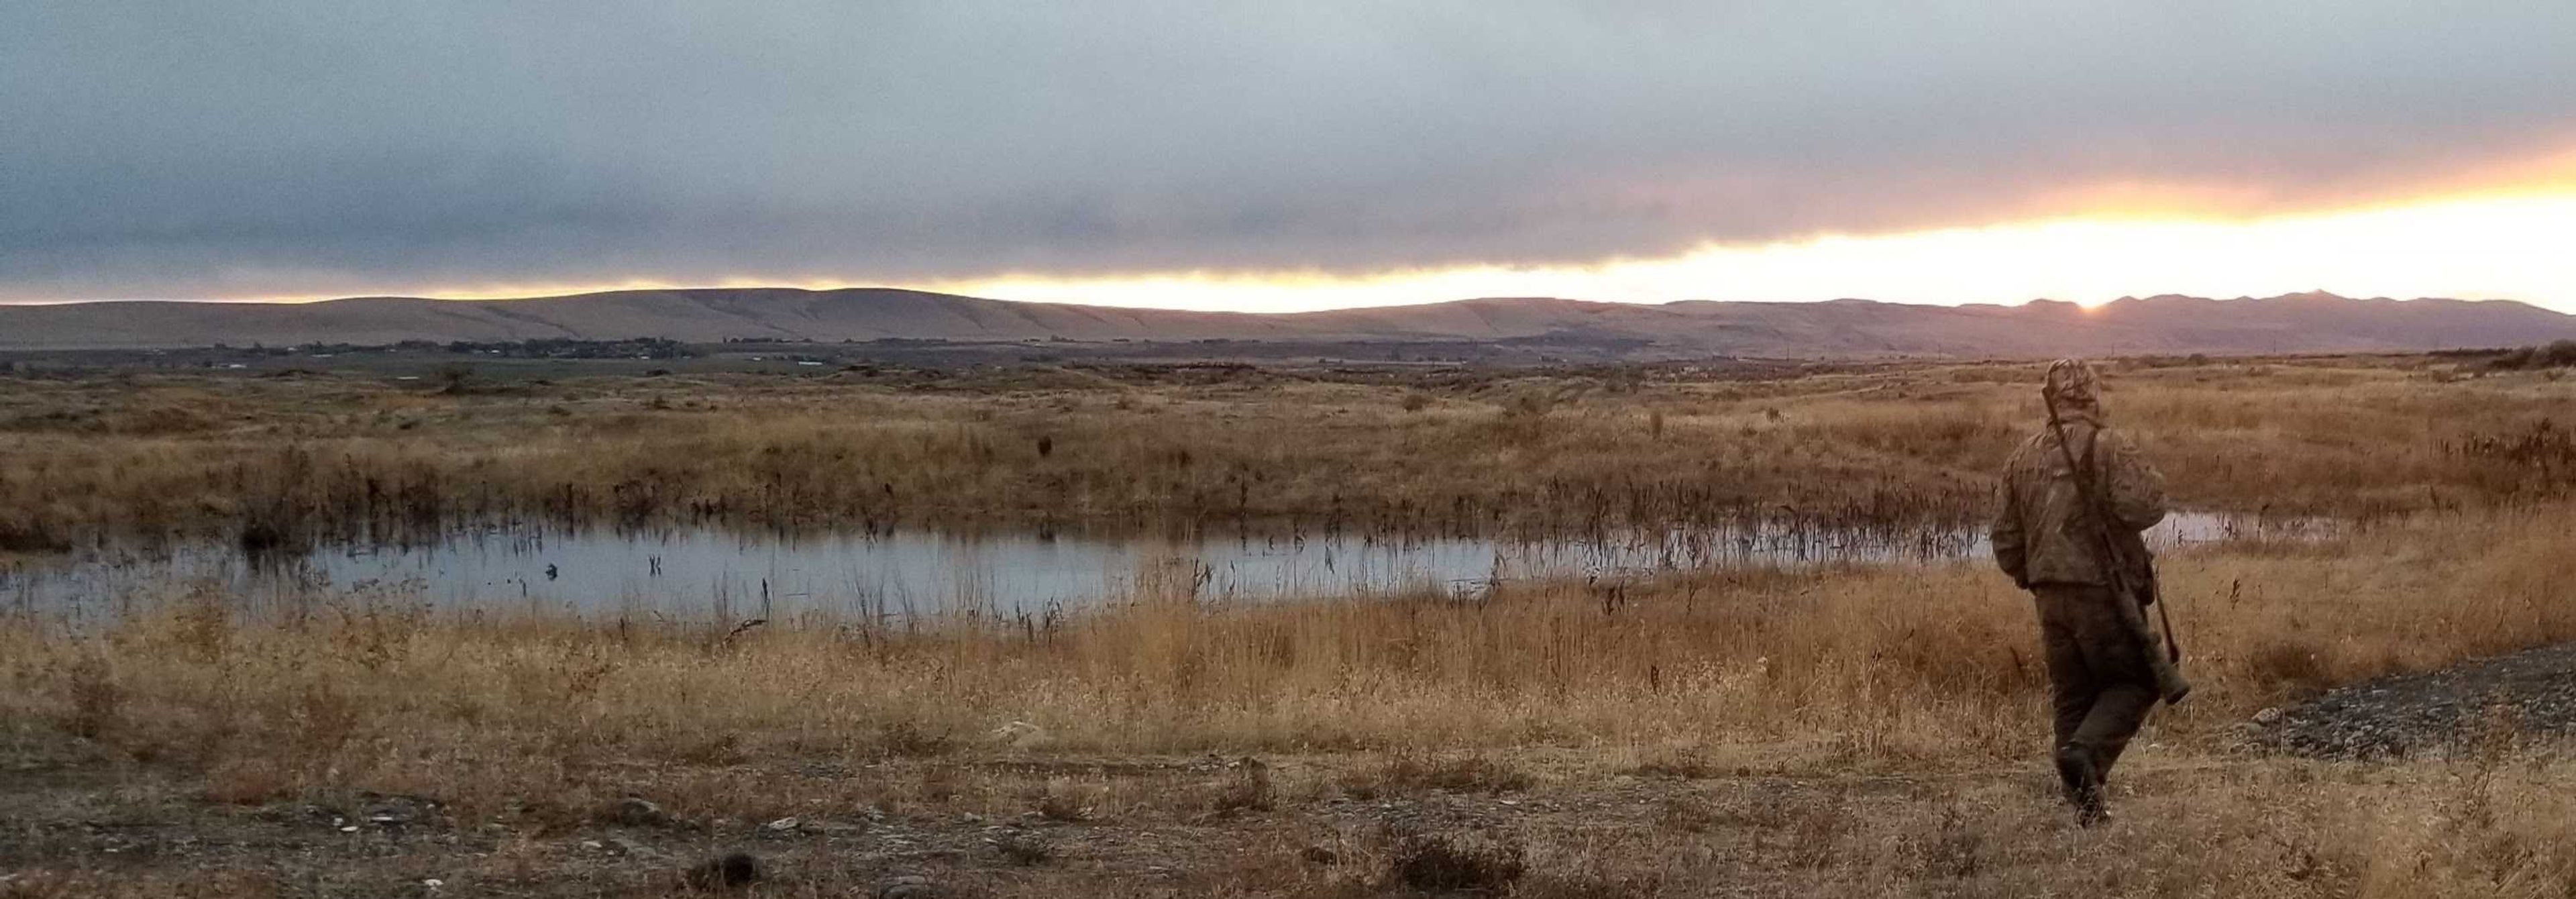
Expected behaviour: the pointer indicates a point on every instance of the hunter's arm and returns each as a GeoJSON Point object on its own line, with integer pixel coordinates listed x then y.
{"type": "Point", "coordinates": [2006, 534]}
{"type": "Point", "coordinates": [2137, 490]}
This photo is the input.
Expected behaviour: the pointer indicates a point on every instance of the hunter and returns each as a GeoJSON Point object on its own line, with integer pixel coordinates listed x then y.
{"type": "Point", "coordinates": [2074, 500]}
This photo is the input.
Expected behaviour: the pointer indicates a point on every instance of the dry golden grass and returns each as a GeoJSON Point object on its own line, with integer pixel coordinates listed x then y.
{"type": "Point", "coordinates": [1870, 668]}
{"type": "Point", "coordinates": [1857, 730]}
{"type": "Point", "coordinates": [1898, 447]}
{"type": "Point", "coordinates": [1860, 731]}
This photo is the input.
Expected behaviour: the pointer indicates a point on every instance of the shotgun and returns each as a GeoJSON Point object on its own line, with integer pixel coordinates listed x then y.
{"type": "Point", "coordinates": [2132, 575]}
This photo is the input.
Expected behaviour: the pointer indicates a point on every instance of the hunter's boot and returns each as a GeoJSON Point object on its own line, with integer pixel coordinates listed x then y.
{"type": "Point", "coordinates": [2082, 779]}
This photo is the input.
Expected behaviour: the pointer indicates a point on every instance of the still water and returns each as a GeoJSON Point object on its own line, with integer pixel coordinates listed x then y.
{"type": "Point", "coordinates": [701, 573]}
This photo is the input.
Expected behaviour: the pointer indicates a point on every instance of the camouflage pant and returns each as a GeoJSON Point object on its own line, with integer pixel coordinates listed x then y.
{"type": "Point", "coordinates": [2098, 676]}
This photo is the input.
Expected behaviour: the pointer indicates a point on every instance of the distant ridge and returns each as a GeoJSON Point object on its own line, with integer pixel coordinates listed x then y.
{"type": "Point", "coordinates": [2301, 322]}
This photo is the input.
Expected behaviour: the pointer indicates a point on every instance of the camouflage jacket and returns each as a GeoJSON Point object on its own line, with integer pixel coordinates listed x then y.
{"type": "Point", "coordinates": [2043, 529]}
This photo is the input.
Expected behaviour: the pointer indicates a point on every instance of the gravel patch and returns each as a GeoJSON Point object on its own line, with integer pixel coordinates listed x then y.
{"type": "Point", "coordinates": [2533, 692]}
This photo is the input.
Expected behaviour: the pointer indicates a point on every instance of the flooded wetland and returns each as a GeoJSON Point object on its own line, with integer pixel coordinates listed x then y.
{"type": "Point", "coordinates": [1024, 630]}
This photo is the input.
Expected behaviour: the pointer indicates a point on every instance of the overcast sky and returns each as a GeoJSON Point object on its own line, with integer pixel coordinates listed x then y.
{"type": "Point", "coordinates": [291, 148]}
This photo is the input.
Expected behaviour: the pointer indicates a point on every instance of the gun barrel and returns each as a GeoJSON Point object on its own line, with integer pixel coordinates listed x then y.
{"type": "Point", "coordinates": [2164, 658]}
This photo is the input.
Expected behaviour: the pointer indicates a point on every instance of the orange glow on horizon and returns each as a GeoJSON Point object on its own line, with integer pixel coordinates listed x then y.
{"type": "Point", "coordinates": [2499, 243]}
{"type": "Point", "coordinates": [2508, 246]}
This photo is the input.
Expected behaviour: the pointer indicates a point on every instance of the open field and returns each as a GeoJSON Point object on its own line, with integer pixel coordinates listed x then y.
{"type": "Point", "coordinates": [1370, 450]}
{"type": "Point", "coordinates": [1866, 731]}
{"type": "Point", "coordinates": [1846, 730]}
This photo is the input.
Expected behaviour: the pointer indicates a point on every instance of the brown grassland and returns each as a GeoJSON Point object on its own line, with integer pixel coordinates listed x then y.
{"type": "Point", "coordinates": [1846, 730]}
{"type": "Point", "coordinates": [1141, 447]}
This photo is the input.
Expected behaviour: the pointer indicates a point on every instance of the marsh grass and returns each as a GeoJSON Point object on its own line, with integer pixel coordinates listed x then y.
{"type": "Point", "coordinates": [1858, 668]}
{"type": "Point", "coordinates": [342, 457]}
{"type": "Point", "coordinates": [1839, 730]}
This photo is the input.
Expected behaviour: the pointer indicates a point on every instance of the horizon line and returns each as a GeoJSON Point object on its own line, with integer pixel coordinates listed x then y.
{"type": "Point", "coordinates": [311, 301]}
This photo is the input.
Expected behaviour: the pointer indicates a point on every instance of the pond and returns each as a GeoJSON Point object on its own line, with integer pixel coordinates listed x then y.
{"type": "Point", "coordinates": [703, 573]}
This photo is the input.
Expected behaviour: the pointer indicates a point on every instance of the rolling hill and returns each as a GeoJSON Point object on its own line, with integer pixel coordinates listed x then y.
{"type": "Point", "coordinates": [2307, 322]}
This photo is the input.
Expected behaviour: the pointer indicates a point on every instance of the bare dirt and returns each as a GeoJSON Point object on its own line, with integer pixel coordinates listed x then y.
{"type": "Point", "coordinates": [75, 823]}
{"type": "Point", "coordinates": [2522, 696]}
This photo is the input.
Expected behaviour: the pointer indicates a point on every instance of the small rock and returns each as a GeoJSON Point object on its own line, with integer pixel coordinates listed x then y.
{"type": "Point", "coordinates": [433, 883]}
{"type": "Point", "coordinates": [784, 825]}
{"type": "Point", "coordinates": [909, 886]}
{"type": "Point", "coordinates": [1023, 849]}
{"type": "Point", "coordinates": [2267, 716]}
{"type": "Point", "coordinates": [593, 845]}
{"type": "Point", "coordinates": [733, 870]}
{"type": "Point", "coordinates": [635, 811]}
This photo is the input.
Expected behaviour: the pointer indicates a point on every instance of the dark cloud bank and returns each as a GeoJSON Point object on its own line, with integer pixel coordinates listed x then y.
{"type": "Point", "coordinates": [285, 146]}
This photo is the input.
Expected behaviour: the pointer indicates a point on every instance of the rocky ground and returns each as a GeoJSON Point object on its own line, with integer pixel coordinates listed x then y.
{"type": "Point", "coordinates": [2524, 696]}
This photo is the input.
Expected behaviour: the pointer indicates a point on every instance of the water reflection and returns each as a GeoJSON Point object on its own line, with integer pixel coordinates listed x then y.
{"type": "Point", "coordinates": [698, 573]}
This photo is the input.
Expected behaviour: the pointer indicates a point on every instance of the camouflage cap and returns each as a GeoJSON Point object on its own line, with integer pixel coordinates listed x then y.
{"type": "Point", "coordinates": [2073, 388]}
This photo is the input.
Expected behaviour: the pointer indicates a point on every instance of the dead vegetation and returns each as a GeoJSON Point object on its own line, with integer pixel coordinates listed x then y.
{"type": "Point", "coordinates": [1852, 730]}
{"type": "Point", "coordinates": [2485, 824]}
{"type": "Point", "coordinates": [2556, 354]}
{"type": "Point", "coordinates": [1865, 668]}
{"type": "Point", "coordinates": [349, 457]}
